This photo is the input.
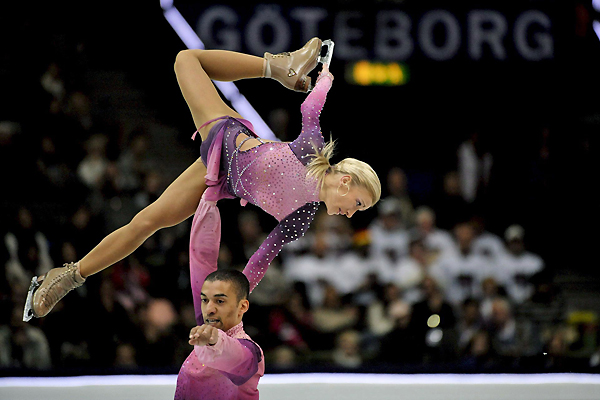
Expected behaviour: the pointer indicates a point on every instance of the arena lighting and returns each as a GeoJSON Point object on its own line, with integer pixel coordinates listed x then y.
{"type": "Point", "coordinates": [433, 321]}
{"type": "Point", "coordinates": [369, 73]}
{"type": "Point", "coordinates": [596, 26]}
{"type": "Point", "coordinates": [596, 23]}
{"type": "Point", "coordinates": [239, 102]}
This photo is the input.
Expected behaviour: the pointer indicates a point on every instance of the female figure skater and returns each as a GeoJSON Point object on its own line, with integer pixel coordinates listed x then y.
{"type": "Point", "coordinates": [286, 179]}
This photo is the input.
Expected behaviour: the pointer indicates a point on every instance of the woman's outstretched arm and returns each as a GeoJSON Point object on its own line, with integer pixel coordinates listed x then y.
{"type": "Point", "coordinates": [311, 111]}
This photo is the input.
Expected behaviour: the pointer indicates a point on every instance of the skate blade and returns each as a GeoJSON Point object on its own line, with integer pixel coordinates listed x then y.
{"type": "Point", "coordinates": [28, 310]}
{"type": "Point", "coordinates": [326, 59]}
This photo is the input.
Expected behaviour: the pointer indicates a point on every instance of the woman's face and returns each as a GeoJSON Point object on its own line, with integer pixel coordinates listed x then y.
{"type": "Point", "coordinates": [347, 199]}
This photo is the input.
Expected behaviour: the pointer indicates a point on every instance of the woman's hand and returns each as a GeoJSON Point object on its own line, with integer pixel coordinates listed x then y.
{"type": "Point", "coordinates": [325, 71]}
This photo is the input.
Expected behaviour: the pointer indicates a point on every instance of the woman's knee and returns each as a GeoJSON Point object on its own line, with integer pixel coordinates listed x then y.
{"type": "Point", "coordinates": [145, 223]}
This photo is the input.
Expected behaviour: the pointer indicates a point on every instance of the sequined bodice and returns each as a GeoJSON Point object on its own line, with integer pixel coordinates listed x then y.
{"type": "Point", "coordinates": [272, 175]}
{"type": "Point", "coordinates": [273, 178]}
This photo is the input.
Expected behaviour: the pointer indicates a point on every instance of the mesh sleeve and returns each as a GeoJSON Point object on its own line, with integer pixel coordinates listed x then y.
{"type": "Point", "coordinates": [289, 229]}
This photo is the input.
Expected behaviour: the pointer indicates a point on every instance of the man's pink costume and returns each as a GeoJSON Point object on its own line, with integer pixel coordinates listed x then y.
{"type": "Point", "coordinates": [273, 177]}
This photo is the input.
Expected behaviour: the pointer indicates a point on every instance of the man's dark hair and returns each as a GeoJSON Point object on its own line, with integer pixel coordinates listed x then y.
{"type": "Point", "coordinates": [235, 277]}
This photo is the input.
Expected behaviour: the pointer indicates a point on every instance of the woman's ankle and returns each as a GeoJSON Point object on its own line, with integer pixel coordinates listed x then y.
{"type": "Point", "coordinates": [266, 72]}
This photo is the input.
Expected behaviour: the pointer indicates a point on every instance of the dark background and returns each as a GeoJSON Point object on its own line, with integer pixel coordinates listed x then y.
{"type": "Point", "coordinates": [416, 126]}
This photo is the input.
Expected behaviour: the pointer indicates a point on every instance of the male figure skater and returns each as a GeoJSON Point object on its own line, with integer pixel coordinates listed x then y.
{"type": "Point", "coordinates": [225, 363]}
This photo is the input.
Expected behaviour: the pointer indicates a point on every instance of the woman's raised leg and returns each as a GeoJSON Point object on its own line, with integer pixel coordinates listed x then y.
{"type": "Point", "coordinates": [195, 69]}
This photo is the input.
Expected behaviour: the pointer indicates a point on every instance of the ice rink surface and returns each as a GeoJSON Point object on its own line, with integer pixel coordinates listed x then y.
{"type": "Point", "coordinates": [321, 386]}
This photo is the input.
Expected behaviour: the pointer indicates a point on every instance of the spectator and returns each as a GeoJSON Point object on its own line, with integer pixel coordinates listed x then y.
{"type": "Point", "coordinates": [434, 321]}
{"type": "Point", "coordinates": [336, 232]}
{"type": "Point", "coordinates": [52, 165]}
{"type": "Point", "coordinates": [52, 81]}
{"type": "Point", "coordinates": [379, 318]}
{"type": "Point", "coordinates": [469, 324]}
{"type": "Point", "coordinates": [479, 354]}
{"type": "Point", "coordinates": [283, 358]}
{"type": "Point", "coordinates": [486, 243]}
{"type": "Point", "coordinates": [135, 163]}
{"type": "Point", "coordinates": [556, 350]}
{"type": "Point", "coordinates": [28, 249]}
{"type": "Point", "coordinates": [347, 352]}
{"type": "Point", "coordinates": [83, 231]}
{"type": "Point", "coordinates": [389, 237]}
{"type": "Point", "coordinates": [79, 109]}
{"type": "Point", "coordinates": [464, 270]}
{"type": "Point", "coordinates": [332, 316]}
{"type": "Point", "coordinates": [131, 279]}
{"type": "Point", "coordinates": [397, 187]}
{"type": "Point", "coordinates": [408, 274]}
{"type": "Point", "coordinates": [109, 200]}
{"type": "Point", "coordinates": [269, 299]}
{"type": "Point", "coordinates": [510, 339]}
{"type": "Point", "coordinates": [92, 168]}
{"type": "Point", "coordinates": [291, 325]}
{"type": "Point", "coordinates": [313, 268]}
{"type": "Point", "coordinates": [125, 357]}
{"type": "Point", "coordinates": [544, 310]}
{"type": "Point", "coordinates": [158, 323]}
{"type": "Point", "coordinates": [152, 187]}
{"type": "Point", "coordinates": [23, 345]}
{"type": "Point", "coordinates": [518, 265]}
{"type": "Point", "coordinates": [351, 271]}
{"type": "Point", "coordinates": [401, 344]}
{"type": "Point", "coordinates": [490, 291]}
{"type": "Point", "coordinates": [438, 242]}
{"type": "Point", "coordinates": [272, 290]}
{"type": "Point", "coordinates": [115, 329]}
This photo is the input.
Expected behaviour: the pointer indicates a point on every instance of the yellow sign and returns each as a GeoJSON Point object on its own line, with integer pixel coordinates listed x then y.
{"type": "Point", "coordinates": [367, 73]}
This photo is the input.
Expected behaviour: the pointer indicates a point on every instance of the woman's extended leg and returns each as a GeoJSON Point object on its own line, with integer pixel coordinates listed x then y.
{"type": "Point", "coordinates": [178, 202]}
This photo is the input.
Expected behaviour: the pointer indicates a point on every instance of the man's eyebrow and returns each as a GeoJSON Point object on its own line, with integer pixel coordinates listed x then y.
{"type": "Point", "coordinates": [216, 295]}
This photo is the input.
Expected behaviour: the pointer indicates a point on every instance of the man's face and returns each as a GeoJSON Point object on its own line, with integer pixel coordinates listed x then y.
{"type": "Point", "coordinates": [220, 305]}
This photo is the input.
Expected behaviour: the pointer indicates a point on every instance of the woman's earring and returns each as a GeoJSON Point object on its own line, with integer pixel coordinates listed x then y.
{"type": "Point", "coordinates": [347, 191]}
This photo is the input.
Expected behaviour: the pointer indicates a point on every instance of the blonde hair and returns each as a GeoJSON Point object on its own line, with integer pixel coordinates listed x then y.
{"type": "Point", "coordinates": [362, 174]}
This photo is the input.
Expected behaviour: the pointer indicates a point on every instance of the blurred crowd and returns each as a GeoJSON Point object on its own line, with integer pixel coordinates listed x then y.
{"type": "Point", "coordinates": [421, 287]}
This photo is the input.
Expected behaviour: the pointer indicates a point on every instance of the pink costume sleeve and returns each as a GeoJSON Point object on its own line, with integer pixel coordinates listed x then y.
{"type": "Point", "coordinates": [237, 358]}
{"type": "Point", "coordinates": [311, 127]}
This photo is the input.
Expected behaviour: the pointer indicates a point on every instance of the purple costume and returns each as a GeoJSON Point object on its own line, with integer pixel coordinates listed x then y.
{"type": "Point", "coordinates": [272, 176]}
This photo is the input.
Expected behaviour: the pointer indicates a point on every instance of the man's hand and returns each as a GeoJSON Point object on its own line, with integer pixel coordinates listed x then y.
{"type": "Point", "coordinates": [204, 335]}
